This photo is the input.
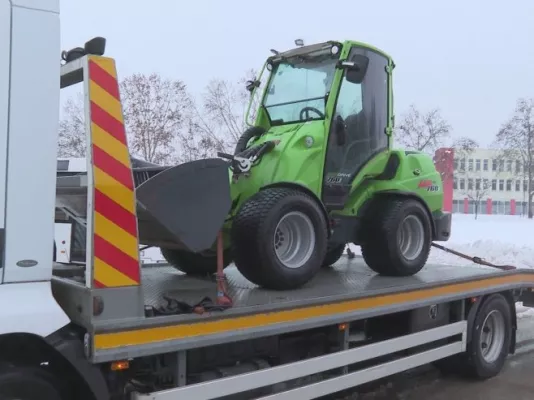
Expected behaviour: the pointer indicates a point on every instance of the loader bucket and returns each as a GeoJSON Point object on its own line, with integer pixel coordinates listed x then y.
{"type": "Point", "coordinates": [184, 206]}
{"type": "Point", "coordinates": [181, 207]}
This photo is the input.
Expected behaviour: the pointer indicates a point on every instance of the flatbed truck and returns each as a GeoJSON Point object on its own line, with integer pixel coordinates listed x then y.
{"type": "Point", "coordinates": [113, 329]}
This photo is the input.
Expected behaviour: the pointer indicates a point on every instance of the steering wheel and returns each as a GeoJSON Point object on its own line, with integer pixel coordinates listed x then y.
{"type": "Point", "coordinates": [306, 110]}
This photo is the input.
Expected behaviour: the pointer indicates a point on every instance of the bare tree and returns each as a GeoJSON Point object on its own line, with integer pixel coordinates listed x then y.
{"type": "Point", "coordinates": [469, 181]}
{"type": "Point", "coordinates": [155, 111]}
{"type": "Point", "coordinates": [516, 140]}
{"type": "Point", "coordinates": [422, 131]}
{"type": "Point", "coordinates": [222, 116]}
{"type": "Point", "coordinates": [71, 141]}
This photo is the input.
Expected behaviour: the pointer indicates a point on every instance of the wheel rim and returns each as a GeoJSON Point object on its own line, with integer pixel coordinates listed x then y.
{"type": "Point", "coordinates": [294, 239]}
{"type": "Point", "coordinates": [492, 336]}
{"type": "Point", "coordinates": [411, 237]}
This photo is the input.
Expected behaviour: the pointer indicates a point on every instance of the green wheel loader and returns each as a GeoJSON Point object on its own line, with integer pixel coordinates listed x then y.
{"type": "Point", "coordinates": [317, 170]}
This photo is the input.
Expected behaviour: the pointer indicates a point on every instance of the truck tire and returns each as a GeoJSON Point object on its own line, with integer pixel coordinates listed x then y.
{"type": "Point", "coordinates": [398, 237]}
{"type": "Point", "coordinates": [489, 344]}
{"type": "Point", "coordinates": [28, 384]}
{"type": "Point", "coordinates": [333, 254]}
{"type": "Point", "coordinates": [279, 238]}
{"type": "Point", "coordinates": [194, 263]}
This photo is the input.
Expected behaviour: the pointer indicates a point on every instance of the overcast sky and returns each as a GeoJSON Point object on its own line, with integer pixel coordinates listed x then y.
{"type": "Point", "coordinates": [470, 58]}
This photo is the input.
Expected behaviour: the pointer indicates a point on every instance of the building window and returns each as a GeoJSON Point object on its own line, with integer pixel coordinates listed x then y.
{"type": "Point", "coordinates": [477, 165]}
{"type": "Point", "coordinates": [509, 165]}
{"type": "Point", "coordinates": [455, 183]}
{"type": "Point", "coordinates": [501, 165]}
{"type": "Point", "coordinates": [455, 164]}
{"type": "Point", "coordinates": [486, 184]}
{"type": "Point", "coordinates": [509, 184]}
{"type": "Point", "coordinates": [485, 165]}
{"type": "Point", "coordinates": [462, 164]}
{"type": "Point", "coordinates": [470, 165]}
{"type": "Point", "coordinates": [525, 186]}
{"type": "Point", "coordinates": [517, 167]}
{"type": "Point", "coordinates": [469, 184]}
{"type": "Point", "coordinates": [501, 184]}
{"type": "Point", "coordinates": [494, 184]}
{"type": "Point", "coordinates": [477, 184]}
{"type": "Point", "coordinates": [517, 186]}
{"type": "Point", "coordinates": [494, 165]}
{"type": "Point", "coordinates": [462, 184]}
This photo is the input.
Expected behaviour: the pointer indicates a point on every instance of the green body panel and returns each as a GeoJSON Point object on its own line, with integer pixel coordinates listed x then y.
{"type": "Point", "coordinates": [299, 156]}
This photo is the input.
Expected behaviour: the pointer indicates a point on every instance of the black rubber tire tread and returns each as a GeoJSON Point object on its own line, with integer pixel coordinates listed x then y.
{"type": "Point", "coordinates": [333, 254]}
{"type": "Point", "coordinates": [194, 263]}
{"type": "Point", "coordinates": [471, 364]}
{"type": "Point", "coordinates": [26, 383]}
{"type": "Point", "coordinates": [253, 229]}
{"type": "Point", "coordinates": [380, 251]}
{"type": "Point", "coordinates": [243, 140]}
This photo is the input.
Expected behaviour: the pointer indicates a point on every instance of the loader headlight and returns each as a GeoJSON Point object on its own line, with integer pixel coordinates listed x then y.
{"type": "Point", "coordinates": [334, 50]}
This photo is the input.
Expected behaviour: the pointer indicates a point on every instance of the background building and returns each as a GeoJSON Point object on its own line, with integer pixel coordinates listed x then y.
{"type": "Point", "coordinates": [497, 184]}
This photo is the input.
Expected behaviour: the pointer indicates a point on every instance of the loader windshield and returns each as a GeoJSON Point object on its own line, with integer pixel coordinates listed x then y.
{"type": "Point", "coordinates": [298, 91]}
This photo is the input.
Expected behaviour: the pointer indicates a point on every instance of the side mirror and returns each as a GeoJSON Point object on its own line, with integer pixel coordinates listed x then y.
{"type": "Point", "coordinates": [356, 68]}
{"type": "Point", "coordinates": [251, 85]}
{"type": "Point", "coordinates": [339, 130]}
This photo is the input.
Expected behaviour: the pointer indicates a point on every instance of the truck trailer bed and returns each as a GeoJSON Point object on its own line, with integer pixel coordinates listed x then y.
{"type": "Point", "coordinates": [345, 292]}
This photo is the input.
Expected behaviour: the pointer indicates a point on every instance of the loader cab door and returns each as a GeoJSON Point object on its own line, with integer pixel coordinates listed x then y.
{"type": "Point", "coordinates": [357, 132]}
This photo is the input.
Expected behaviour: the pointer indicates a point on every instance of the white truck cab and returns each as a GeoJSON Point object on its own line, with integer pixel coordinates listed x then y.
{"type": "Point", "coordinates": [29, 110]}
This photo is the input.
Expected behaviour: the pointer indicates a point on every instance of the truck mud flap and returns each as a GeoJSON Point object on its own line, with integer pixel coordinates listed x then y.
{"type": "Point", "coordinates": [184, 206]}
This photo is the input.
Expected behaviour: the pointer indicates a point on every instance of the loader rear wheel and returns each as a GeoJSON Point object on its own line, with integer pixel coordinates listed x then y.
{"type": "Point", "coordinates": [195, 263]}
{"type": "Point", "coordinates": [279, 238]}
{"type": "Point", "coordinates": [333, 254]}
{"type": "Point", "coordinates": [399, 237]}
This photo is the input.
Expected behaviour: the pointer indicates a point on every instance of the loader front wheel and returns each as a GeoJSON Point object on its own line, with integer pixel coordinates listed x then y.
{"type": "Point", "coordinates": [195, 263]}
{"type": "Point", "coordinates": [398, 237]}
{"type": "Point", "coordinates": [279, 238]}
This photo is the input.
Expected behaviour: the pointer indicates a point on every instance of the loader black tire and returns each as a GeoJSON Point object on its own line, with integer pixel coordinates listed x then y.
{"type": "Point", "coordinates": [253, 131]}
{"type": "Point", "coordinates": [195, 263]}
{"type": "Point", "coordinates": [24, 383]}
{"type": "Point", "coordinates": [256, 234]}
{"type": "Point", "coordinates": [382, 250]}
{"type": "Point", "coordinates": [333, 254]}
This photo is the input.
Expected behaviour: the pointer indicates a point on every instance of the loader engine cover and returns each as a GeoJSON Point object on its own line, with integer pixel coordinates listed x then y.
{"type": "Point", "coordinates": [185, 206]}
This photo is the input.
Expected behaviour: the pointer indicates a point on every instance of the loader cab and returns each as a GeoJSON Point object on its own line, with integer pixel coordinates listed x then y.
{"type": "Point", "coordinates": [340, 92]}
{"type": "Point", "coordinates": [361, 120]}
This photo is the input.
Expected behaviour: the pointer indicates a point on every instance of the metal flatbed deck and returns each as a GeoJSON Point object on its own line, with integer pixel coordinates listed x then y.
{"type": "Point", "coordinates": [347, 291]}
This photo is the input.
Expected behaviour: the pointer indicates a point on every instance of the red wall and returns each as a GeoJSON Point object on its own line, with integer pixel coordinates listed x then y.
{"type": "Point", "coordinates": [444, 161]}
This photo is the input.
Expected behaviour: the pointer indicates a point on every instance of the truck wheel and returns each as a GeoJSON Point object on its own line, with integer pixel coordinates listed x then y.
{"type": "Point", "coordinates": [194, 263]}
{"type": "Point", "coordinates": [28, 384]}
{"type": "Point", "coordinates": [333, 254]}
{"type": "Point", "coordinates": [279, 238]}
{"type": "Point", "coordinates": [489, 344]}
{"type": "Point", "coordinates": [399, 236]}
